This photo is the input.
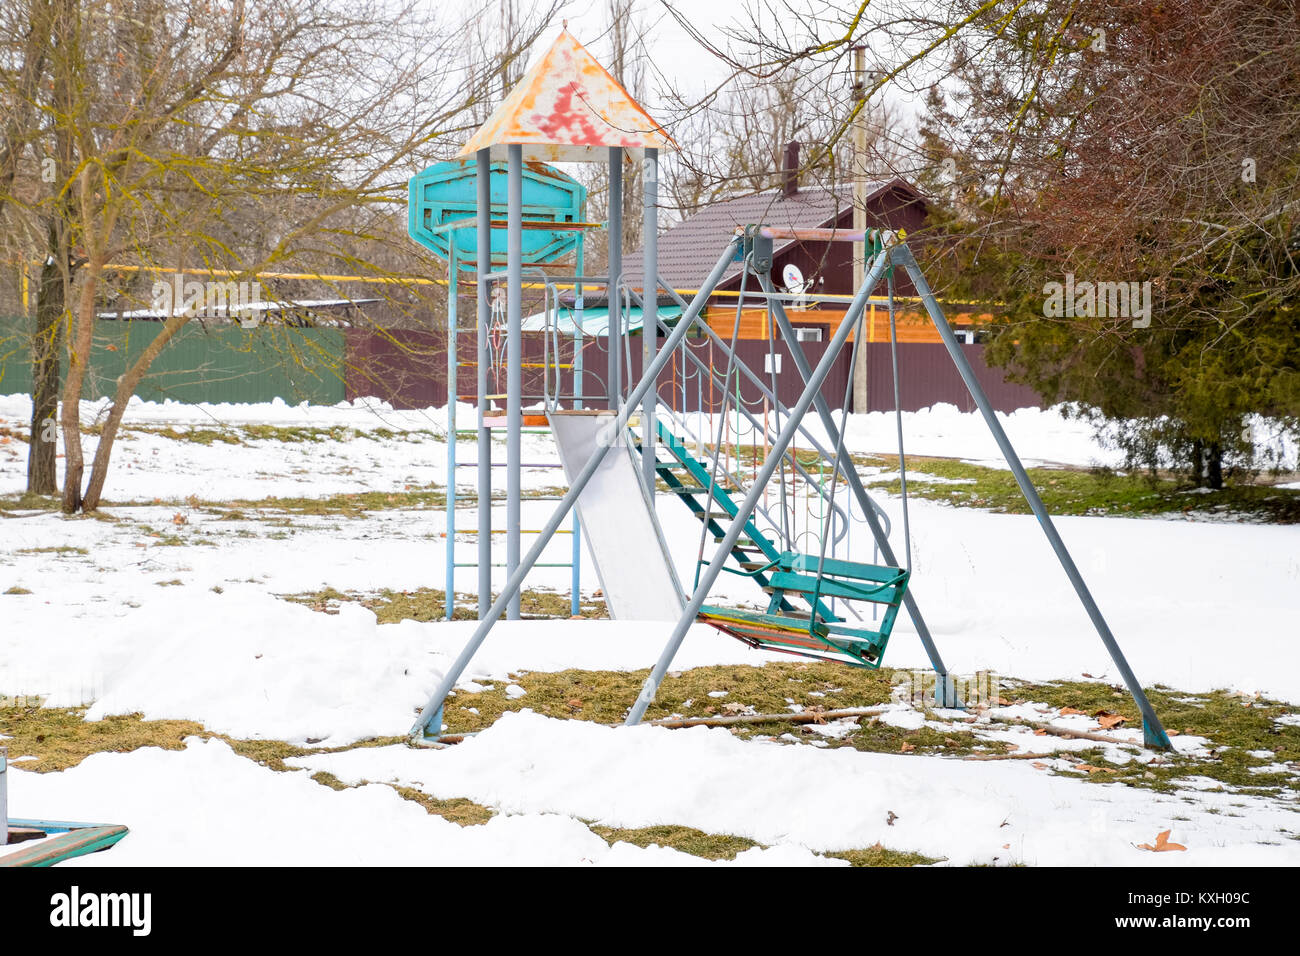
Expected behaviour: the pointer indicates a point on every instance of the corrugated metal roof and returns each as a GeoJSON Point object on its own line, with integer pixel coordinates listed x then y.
{"type": "Point", "coordinates": [595, 321]}
{"type": "Point", "coordinates": [568, 108]}
{"type": "Point", "coordinates": [689, 249]}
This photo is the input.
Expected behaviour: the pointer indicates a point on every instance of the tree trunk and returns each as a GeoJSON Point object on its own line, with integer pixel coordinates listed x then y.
{"type": "Point", "coordinates": [42, 454]}
{"type": "Point", "coordinates": [126, 386]}
{"type": "Point", "coordinates": [1198, 463]}
{"type": "Point", "coordinates": [70, 417]}
{"type": "Point", "coordinates": [1214, 466]}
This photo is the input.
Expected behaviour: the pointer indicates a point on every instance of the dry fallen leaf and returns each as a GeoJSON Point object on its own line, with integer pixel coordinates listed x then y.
{"type": "Point", "coordinates": [1040, 732]}
{"type": "Point", "coordinates": [1069, 710]}
{"type": "Point", "coordinates": [906, 748]}
{"type": "Point", "coordinates": [1162, 844]}
{"type": "Point", "coordinates": [179, 518]}
{"type": "Point", "coordinates": [1038, 765]}
{"type": "Point", "coordinates": [1111, 721]}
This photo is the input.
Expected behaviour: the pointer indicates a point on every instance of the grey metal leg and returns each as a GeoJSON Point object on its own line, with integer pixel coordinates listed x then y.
{"type": "Point", "coordinates": [649, 310]}
{"type": "Point", "coordinates": [614, 231]}
{"type": "Point", "coordinates": [435, 702]}
{"type": "Point", "coordinates": [746, 508]}
{"type": "Point", "coordinates": [1153, 731]}
{"type": "Point", "coordinates": [945, 689]}
{"type": "Point", "coordinates": [514, 360]}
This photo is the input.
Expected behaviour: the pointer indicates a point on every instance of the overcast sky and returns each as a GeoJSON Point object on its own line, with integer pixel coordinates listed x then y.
{"type": "Point", "coordinates": [674, 56]}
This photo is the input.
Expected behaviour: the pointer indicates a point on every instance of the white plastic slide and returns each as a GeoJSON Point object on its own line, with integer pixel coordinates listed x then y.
{"type": "Point", "coordinates": [618, 521]}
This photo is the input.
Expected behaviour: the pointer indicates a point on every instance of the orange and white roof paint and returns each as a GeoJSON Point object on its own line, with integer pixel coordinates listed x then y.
{"type": "Point", "coordinates": [568, 108]}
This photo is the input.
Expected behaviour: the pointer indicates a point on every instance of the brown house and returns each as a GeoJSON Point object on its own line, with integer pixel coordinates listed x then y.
{"type": "Point", "coordinates": [689, 249]}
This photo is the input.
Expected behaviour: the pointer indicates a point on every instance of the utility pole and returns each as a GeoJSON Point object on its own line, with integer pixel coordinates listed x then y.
{"type": "Point", "coordinates": [860, 213]}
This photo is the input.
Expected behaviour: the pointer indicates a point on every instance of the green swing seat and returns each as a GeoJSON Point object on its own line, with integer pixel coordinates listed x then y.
{"type": "Point", "coordinates": [817, 633]}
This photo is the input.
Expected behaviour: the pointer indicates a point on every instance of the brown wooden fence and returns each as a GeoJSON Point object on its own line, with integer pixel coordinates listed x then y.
{"type": "Point", "coordinates": [409, 370]}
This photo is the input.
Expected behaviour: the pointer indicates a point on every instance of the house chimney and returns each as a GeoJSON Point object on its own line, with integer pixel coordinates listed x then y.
{"type": "Point", "coordinates": [790, 170]}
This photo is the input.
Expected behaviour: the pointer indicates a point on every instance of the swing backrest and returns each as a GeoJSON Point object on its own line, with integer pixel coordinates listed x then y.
{"type": "Point", "coordinates": [851, 580]}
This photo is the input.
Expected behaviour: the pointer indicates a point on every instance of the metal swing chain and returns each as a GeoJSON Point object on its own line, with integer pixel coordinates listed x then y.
{"type": "Point", "coordinates": [776, 416]}
{"type": "Point", "coordinates": [828, 522]}
{"type": "Point", "coordinates": [898, 415]}
{"type": "Point", "coordinates": [722, 419]}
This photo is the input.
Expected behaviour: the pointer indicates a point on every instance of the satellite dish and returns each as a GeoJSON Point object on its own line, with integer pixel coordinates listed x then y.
{"type": "Point", "coordinates": [792, 276]}
{"type": "Point", "coordinates": [795, 284]}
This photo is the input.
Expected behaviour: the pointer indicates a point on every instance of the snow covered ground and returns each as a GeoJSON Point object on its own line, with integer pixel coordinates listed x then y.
{"type": "Point", "coordinates": [192, 625]}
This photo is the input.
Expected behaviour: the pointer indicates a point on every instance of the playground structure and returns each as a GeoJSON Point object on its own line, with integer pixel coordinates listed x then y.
{"type": "Point", "coordinates": [567, 108]}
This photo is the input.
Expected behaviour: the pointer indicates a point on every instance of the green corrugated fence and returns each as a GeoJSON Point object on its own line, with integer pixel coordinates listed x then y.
{"type": "Point", "coordinates": [201, 363]}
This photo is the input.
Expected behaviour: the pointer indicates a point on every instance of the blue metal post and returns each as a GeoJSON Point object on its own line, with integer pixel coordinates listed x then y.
{"type": "Point", "coordinates": [449, 598]}
{"type": "Point", "coordinates": [483, 173]}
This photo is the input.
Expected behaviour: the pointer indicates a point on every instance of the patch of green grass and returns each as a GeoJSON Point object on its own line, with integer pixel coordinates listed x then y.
{"type": "Point", "coordinates": [327, 779]}
{"type": "Point", "coordinates": [604, 696]}
{"type": "Point", "coordinates": [1233, 728]}
{"type": "Point", "coordinates": [874, 736]}
{"type": "Point", "coordinates": [881, 856]}
{"type": "Point", "coordinates": [241, 434]}
{"type": "Point", "coordinates": [1078, 491]}
{"type": "Point", "coordinates": [297, 434]}
{"type": "Point", "coordinates": [61, 549]}
{"type": "Point", "coordinates": [194, 435]}
{"type": "Point", "coordinates": [429, 604]}
{"type": "Point", "coordinates": [348, 505]}
{"type": "Point", "coordinates": [725, 846]}
{"type": "Point", "coordinates": [61, 737]}
{"type": "Point", "coordinates": [165, 539]}
{"type": "Point", "coordinates": [457, 810]}
{"type": "Point", "coordinates": [1233, 724]}
{"type": "Point", "coordinates": [710, 846]}
{"type": "Point", "coordinates": [30, 502]}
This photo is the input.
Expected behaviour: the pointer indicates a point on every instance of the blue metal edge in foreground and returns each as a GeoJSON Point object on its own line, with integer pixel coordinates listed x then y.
{"type": "Point", "coordinates": [73, 839]}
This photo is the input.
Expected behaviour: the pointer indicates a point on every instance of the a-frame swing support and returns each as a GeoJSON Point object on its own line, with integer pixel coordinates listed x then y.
{"type": "Point", "coordinates": [1153, 732]}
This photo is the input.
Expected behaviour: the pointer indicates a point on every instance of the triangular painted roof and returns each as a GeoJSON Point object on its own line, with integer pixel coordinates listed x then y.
{"type": "Point", "coordinates": [568, 108]}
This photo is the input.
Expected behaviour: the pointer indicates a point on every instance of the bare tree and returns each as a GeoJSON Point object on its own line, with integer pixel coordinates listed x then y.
{"type": "Point", "coordinates": [184, 125]}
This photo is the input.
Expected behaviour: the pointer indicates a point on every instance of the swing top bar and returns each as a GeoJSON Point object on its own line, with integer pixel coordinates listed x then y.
{"type": "Point", "coordinates": [820, 234]}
